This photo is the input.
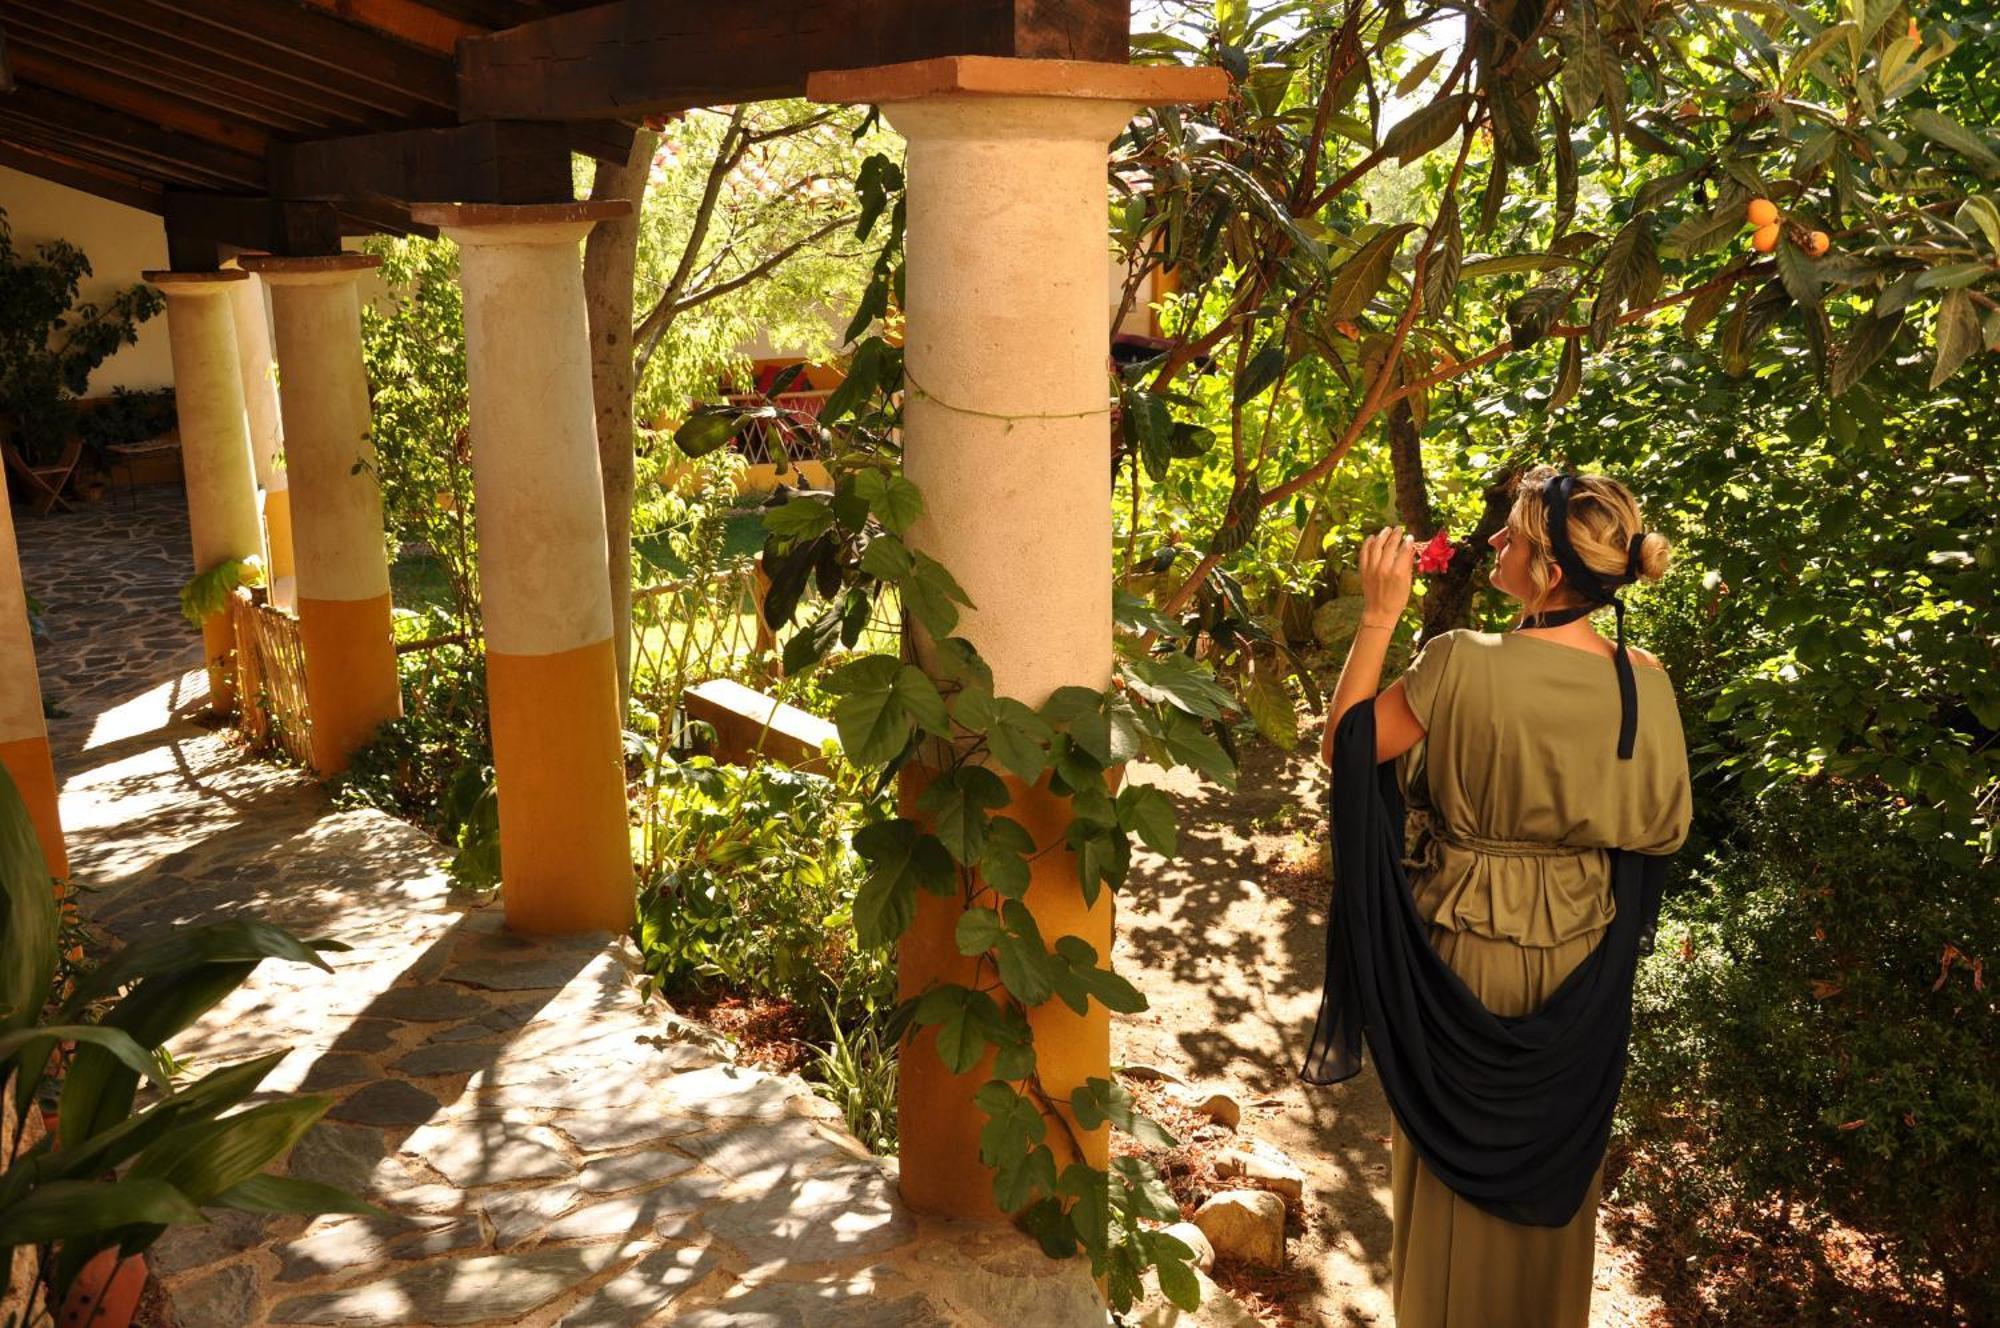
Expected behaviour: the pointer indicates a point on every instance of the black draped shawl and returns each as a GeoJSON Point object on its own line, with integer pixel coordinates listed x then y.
{"type": "Point", "coordinates": [1511, 1113]}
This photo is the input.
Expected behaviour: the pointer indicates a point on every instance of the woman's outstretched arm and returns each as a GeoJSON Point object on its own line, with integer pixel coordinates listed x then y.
{"type": "Point", "coordinates": [1388, 564]}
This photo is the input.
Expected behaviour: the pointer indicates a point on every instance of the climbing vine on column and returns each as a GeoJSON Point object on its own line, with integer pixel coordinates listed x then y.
{"type": "Point", "coordinates": [831, 556]}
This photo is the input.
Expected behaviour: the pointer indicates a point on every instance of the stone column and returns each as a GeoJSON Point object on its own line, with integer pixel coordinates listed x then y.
{"type": "Point", "coordinates": [267, 438]}
{"type": "Point", "coordinates": [24, 739]}
{"type": "Point", "coordinates": [341, 571]}
{"type": "Point", "coordinates": [544, 585]}
{"type": "Point", "coordinates": [215, 443]}
{"type": "Point", "coordinates": [1007, 434]}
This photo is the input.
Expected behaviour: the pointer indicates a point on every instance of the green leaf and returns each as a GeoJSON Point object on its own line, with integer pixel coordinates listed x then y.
{"type": "Point", "coordinates": [1022, 958]}
{"type": "Point", "coordinates": [895, 501]}
{"type": "Point", "coordinates": [1188, 744]}
{"type": "Point", "coordinates": [1173, 1262]}
{"type": "Point", "coordinates": [1178, 681]}
{"type": "Point", "coordinates": [1090, 1214]}
{"type": "Point", "coordinates": [887, 559]}
{"type": "Point", "coordinates": [1447, 255]}
{"type": "Point", "coordinates": [1149, 813]}
{"type": "Point", "coordinates": [1957, 330]}
{"type": "Point", "coordinates": [933, 595]}
{"type": "Point", "coordinates": [1019, 738]}
{"type": "Point", "coordinates": [1799, 273]}
{"type": "Point", "coordinates": [1427, 129]}
{"type": "Point", "coordinates": [289, 1194]}
{"type": "Point", "coordinates": [1701, 234]}
{"type": "Point", "coordinates": [1143, 1191]}
{"type": "Point", "coordinates": [1098, 1101]}
{"type": "Point", "coordinates": [1004, 865]}
{"type": "Point", "coordinates": [67, 1209]}
{"type": "Point", "coordinates": [957, 802]}
{"type": "Point", "coordinates": [900, 858]}
{"type": "Point", "coordinates": [871, 717]}
{"type": "Point", "coordinates": [1103, 854]}
{"type": "Point", "coordinates": [1046, 1219]}
{"type": "Point", "coordinates": [1356, 281]}
{"type": "Point", "coordinates": [1947, 132]}
{"type": "Point", "coordinates": [1260, 373]}
{"type": "Point", "coordinates": [978, 931]}
{"type": "Point", "coordinates": [1069, 701]}
{"type": "Point", "coordinates": [1628, 277]}
{"type": "Point", "coordinates": [798, 518]}
{"type": "Point", "coordinates": [709, 428]}
{"type": "Point", "coordinates": [919, 696]}
{"type": "Point", "coordinates": [1865, 345]}
{"type": "Point", "coordinates": [1148, 423]}
{"type": "Point", "coordinates": [1569, 374]}
{"type": "Point", "coordinates": [206, 1158]}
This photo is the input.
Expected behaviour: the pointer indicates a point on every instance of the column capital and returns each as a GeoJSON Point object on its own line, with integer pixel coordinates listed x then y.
{"type": "Point", "coordinates": [194, 283]}
{"type": "Point", "coordinates": [315, 269]}
{"type": "Point", "coordinates": [519, 223]}
{"type": "Point", "coordinates": [1002, 76]}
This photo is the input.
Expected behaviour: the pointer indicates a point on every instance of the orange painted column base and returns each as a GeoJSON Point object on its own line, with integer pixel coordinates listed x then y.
{"type": "Point", "coordinates": [218, 643]}
{"type": "Point", "coordinates": [565, 836]}
{"type": "Point", "coordinates": [278, 532]}
{"type": "Point", "coordinates": [940, 1124]}
{"type": "Point", "coordinates": [351, 683]}
{"type": "Point", "coordinates": [34, 773]}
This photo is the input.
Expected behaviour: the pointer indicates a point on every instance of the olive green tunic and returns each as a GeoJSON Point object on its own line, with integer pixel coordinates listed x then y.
{"type": "Point", "coordinates": [1514, 795]}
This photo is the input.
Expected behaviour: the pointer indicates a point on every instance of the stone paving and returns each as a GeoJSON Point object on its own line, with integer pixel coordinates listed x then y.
{"type": "Point", "coordinates": [555, 1149]}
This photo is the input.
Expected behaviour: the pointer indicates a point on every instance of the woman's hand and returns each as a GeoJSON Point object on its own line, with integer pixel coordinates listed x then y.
{"type": "Point", "coordinates": [1388, 565]}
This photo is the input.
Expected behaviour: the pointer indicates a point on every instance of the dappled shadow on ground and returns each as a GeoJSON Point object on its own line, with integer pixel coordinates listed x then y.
{"type": "Point", "coordinates": [546, 1145]}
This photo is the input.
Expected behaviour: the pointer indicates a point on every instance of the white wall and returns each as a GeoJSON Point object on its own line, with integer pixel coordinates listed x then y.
{"type": "Point", "coordinates": [121, 242]}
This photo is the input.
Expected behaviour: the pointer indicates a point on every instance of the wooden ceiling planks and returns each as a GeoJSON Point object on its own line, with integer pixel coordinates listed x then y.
{"type": "Point", "coordinates": [367, 105]}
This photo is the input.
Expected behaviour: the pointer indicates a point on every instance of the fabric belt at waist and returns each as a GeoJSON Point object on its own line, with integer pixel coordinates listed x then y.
{"type": "Point", "coordinates": [1431, 826]}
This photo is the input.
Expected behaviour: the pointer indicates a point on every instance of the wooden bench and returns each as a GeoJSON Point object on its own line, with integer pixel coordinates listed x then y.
{"type": "Point", "coordinates": [749, 724]}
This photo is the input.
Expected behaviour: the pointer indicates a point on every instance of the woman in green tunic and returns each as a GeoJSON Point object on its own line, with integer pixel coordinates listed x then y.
{"type": "Point", "coordinates": [1515, 791]}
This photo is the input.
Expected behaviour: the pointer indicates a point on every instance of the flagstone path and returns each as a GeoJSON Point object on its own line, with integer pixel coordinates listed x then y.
{"type": "Point", "coordinates": [555, 1148]}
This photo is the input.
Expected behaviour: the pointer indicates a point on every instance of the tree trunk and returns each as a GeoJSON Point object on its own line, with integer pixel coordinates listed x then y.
{"type": "Point", "coordinates": [610, 256]}
{"type": "Point", "coordinates": [1448, 601]}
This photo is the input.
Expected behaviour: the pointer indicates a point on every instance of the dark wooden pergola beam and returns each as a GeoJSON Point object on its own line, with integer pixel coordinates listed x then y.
{"type": "Point", "coordinates": [363, 77]}
{"type": "Point", "coordinates": [99, 131]}
{"type": "Point", "coordinates": [85, 177]}
{"type": "Point", "coordinates": [641, 57]}
{"type": "Point", "coordinates": [489, 162]}
{"type": "Point", "coordinates": [71, 78]}
{"type": "Point", "coordinates": [199, 223]}
{"type": "Point", "coordinates": [162, 71]}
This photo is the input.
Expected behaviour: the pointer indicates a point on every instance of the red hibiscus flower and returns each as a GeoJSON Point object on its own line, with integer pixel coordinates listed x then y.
{"type": "Point", "coordinates": [1436, 556]}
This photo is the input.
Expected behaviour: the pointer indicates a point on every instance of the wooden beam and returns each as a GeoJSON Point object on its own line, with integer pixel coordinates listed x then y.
{"type": "Point", "coordinates": [406, 20]}
{"type": "Point", "coordinates": [640, 57]}
{"type": "Point", "coordinates": [267, 224]}
{"type": "Point", "coordinates": [130, 136]}
{"type": "Point", "coordinates": [98, 181]}
{"type": "Point", "coordinates": [201, 85]}
{"type": "Point", "coordinates": [69, 77]}
{"type": "Point", "coordinates": [378, 79]}
{"type": "Point", "coordinates": [489, 162]}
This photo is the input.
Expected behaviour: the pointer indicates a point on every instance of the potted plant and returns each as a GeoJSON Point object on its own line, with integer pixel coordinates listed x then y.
{"type": "Point", "coordinates": [90, 1196]}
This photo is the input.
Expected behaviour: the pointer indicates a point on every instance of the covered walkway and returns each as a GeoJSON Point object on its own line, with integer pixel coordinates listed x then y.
{"type": "Point", "coordinates": [556, 1149]}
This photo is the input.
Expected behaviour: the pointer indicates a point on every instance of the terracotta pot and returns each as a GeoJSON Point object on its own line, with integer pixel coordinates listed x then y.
{"type": "Point", "coordinates": [106, 1292]}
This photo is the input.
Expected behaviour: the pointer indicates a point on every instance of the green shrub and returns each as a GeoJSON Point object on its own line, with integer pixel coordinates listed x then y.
{"type": "Point", "coordinates": [754, 890]}
{"type": "Point", "coordinates": [422, 767]}
{"type": "Point", "coordinates": [1815, 1037]}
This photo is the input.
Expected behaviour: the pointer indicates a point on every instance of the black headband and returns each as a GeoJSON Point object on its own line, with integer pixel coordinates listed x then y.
{"type": "Point", "coordinates": [1597, 590]}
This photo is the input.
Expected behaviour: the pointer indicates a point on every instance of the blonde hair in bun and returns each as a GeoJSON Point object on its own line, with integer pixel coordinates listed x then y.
{"type": "Point", "coordinates": [1603, 517]}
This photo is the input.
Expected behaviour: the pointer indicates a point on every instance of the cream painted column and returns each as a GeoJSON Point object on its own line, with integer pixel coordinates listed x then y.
{"type": "Point", "coordinates": [267, 439]}
{"type": "Point", "coordinates": [215, 442]}
{"type": "Point", "coordinates": [1007, 433]}
{"type": "Point", "coordinates": [341, 567]}
{"type": "Point", "coordinates": [544, 587]}
{"type": "Point", "coordinates": [24, 738]}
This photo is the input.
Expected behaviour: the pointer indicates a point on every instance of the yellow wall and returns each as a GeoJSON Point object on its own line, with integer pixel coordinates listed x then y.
{"type": "Point", "coordinates": [120, 242]}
